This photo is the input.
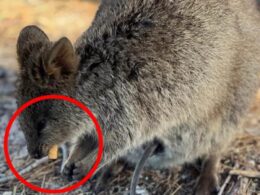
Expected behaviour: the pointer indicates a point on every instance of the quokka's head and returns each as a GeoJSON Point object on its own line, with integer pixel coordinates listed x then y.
{"type": "Point", "coordinates": [46, 68]}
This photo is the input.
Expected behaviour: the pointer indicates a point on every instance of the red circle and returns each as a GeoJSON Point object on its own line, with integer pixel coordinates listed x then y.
{"type": "Point", "coordinates": [99, 134]}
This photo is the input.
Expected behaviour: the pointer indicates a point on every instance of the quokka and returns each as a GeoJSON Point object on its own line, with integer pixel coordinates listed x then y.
{"type": "Point", "coordinates": [181, 71]}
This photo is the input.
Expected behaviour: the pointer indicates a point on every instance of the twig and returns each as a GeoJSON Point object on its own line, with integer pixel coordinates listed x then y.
{"type": "Point", "coordinates": [23, 192]}
{"type": "Point", "coordinates": [43, 182]}
{"type": "Point", "coordinates": [235, 189]}
{"type": "Point", "coordinates": [177, 189]}
{"type": "Point", "coordinates": [250, 174]}
{"type": "Point", "coordinates": [26, 170]}
{"type": "Point", "coordinates": [14, 190]}
{"type": "Point", "coordinates": [48, 167]}
{"type": "Point", "coordinates": [221, 191]}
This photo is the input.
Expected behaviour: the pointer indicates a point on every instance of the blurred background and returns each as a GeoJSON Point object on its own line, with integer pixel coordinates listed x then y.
{"type": "Point", "coordinates": [70, 18]}
{"type": "Point", "coordinates": [57, 18]}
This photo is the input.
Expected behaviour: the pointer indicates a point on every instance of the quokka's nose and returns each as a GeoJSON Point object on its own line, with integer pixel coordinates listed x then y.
{"type": "Point", "coordinates": [37, 155]}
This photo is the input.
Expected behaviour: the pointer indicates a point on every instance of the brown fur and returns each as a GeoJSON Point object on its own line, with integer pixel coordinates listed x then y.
{"type": "Point", "coordinates": [181, 71]}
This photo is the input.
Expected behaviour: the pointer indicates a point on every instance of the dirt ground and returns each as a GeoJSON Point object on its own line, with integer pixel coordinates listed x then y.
{"type": "Point", "coordinates": [240, 167]}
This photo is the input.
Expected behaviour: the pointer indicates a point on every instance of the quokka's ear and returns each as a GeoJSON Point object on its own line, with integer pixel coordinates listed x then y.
{"type": "Point", "coordinates": [30, 42]}
{"type": "Point", "coordinates": [45, 63]}
{"type": "Point", "coordinates": [61, 61]}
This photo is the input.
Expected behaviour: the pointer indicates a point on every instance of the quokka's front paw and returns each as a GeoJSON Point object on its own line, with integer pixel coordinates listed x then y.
{"type": "Point", "coordinates": [75, 171]}
{"type": "Point", "coordinates": [67, 171]}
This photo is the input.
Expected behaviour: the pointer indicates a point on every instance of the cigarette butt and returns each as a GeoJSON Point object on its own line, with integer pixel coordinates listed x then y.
{"type": "Point", "coordinates": [53, 152]}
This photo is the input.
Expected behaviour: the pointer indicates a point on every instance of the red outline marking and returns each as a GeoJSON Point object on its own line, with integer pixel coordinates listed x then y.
{"type": "Point", "coordinates": [100, 144]}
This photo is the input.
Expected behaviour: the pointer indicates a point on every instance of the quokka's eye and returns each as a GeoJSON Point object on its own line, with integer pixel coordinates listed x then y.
{"type": "Point", "coordinates": [41, 125]}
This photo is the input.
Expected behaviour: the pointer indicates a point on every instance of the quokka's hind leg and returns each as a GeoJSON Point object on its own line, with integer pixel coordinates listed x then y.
{"type": "Point", "coordinates": [207, 183]}
{"type": "Point", "coordinates": [108, 172]}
